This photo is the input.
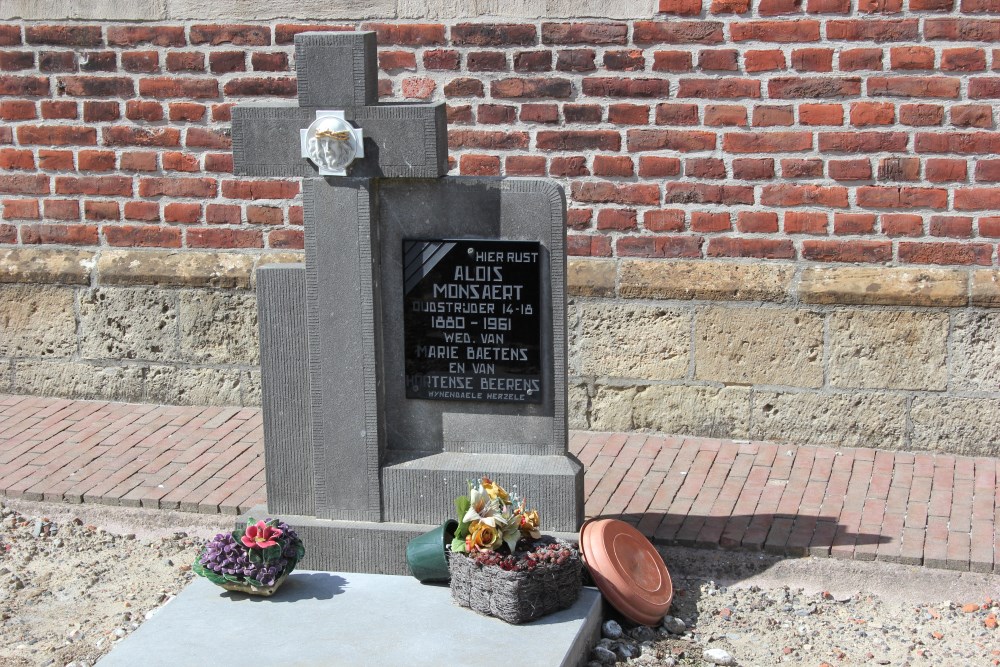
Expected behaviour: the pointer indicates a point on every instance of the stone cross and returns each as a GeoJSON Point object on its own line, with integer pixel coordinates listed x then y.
{"type": "Point", "coordinates": [356, 458]}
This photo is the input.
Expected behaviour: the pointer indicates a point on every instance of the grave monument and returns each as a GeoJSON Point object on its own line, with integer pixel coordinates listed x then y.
{"type": "Point", "coordinates": [423, 342]}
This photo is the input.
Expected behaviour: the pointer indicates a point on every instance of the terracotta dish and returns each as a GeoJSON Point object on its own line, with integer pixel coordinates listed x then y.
{"type": "Point", "coordinates": [627, 569]}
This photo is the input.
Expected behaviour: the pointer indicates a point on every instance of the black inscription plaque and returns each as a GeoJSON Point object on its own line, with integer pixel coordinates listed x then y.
{"type": "Point", "coordinates": [471, 324]}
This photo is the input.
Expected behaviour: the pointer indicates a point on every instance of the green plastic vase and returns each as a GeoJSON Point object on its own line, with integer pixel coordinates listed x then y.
{"type": "Point", "coordinates": [427, 554]}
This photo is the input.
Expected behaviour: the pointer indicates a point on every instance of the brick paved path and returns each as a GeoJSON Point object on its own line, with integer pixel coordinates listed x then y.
{"type": "Point", "coordinates": [933, 509]}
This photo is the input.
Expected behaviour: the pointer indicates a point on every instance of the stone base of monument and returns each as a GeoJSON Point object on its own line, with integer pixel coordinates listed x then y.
{"type": "Point", "coordinates": [348, 619]}
{"type": "Point", "coordinates": [358, 546]}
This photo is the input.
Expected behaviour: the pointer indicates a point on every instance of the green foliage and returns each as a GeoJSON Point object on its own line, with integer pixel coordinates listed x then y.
{"type": "Point", "coordinates": [203, 571]}
{"type": "Point", "coordinates": [458, 546]}
{"type": "Point", "coordinates": [255, 556]}
{"type": "Point", "coordinates": [462, 505]}
{"type": "Point", "coordinates": [272, 552]}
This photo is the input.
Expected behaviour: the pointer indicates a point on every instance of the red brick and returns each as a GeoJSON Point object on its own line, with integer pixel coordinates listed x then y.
{"type": "Point", "coordinates": [672, 61]}
{"type": "Point", "coordinates": [669, 220]}
{"type": "Point", "coordinates": [719, 115]}
{"type": "Point", "coordinates": [720, 60]}
{"type": "Point", "coordinates": [182, 213]}
{"type": "Point", "coordinates": [141, 110]}
{"type": "Point", "coordinates": [919, 115]}
{"type": "Point", "coordinates": [8, 234]}
{"type": "Point", "coordinates": [931, 5]}
{"type": "Point", "coordinates": [853, 223]}
{"type": "Point", "coordinates": [613, 165]}
{"type": "Point", "coordinates": [751, 169]}
{"type": "Point", "coordinates": [773, 115]}
{"type": "Point", "coordinates": [96, 160]}
{"type": "Point", "coordinates": [680, 7]}
{"type": "Point", "coordinates": [902, 224]}
{"type": "Point", "coordinates": [141, 61]}
{"type": "Point", "coordinates": [217, 237]}
{"type": "Point", "coordinates": [850, 170]}
{"type": "Point", "coordinates": [972, 115]}
{"type": "Point", "coordinates": [178, 187]}
{"type": "Point", "coordinates": [946, 253]}
{"type": "Point", "coordinates": [33, 86]}
{"type": "Point", "coordinates": [259, 86]}
{"type": "Point", "coordinates": [133, 35]}
{"type": "Point", "coordinates": [485, 61]}
{"type": "Point", "coordinates": [64, 35]}
{"type": "Point", "coordinates": [286, 238]}
{"type": "Point", "coordinates": [190, 112]}
{"type": "Point", "coordinates": [579, 218]}
{"type": "Point", "coordinates": [705, 193]}
{"type": "Point", "coordinates": [265, 215]}
{"type": "Point", "coordinates": [902, 197]}
{"type": "Point", "coordinates": [223, 214]}
{"type": "Point", "coordinates": [800, 30]}
{"type": "Point", "coordinates": [766, 142]}
{"type": "Point", "coordinates": [524, 165]}
{"type": "Point", "coordinates": [11, 61]}
{"type": "Point", "coordinates": [872, 113]}
{"type": "Point", "coordinates": [677, 32]}
{"type": "Point", "coordinates": [55, 160]}
{"type": "Point", "coordinates": [464, 87]}
{"type": "Point", "coordinates": [269, 62]}
{"type": "Point", "coordinates": [138, 161]}
{"type": "Point", "coordinates": [804, 195]}
{"type": "Point", "coordinates": [585, 33]}
{"type": "Point", "coordinates": [725, 246]}
{"type": "Point", "coordinates": [99, 112]}
{"type": "Point", "coordinates": [989, 227]}
{"type": "Point", "coordinates": [591, 246]}
{"type": "Point", "coordinates": [461, 113]}
{"type": "Point", "coordinates": [750, 222]}
{"type": "Point", "coordinates": [704, 167]}
{"type": "Point", "coordinates": [56, 135]}
{"type": "Point", "coordinates": [284, 33]}
{"type": "Point", "coordinates": [963, 60]}
{"type": "Point", "coordinates": [612, 193]}
{"type": "Point", "coordinates": [944, 170]}
{"type": "Point", "coordinates": [188, 61]}
{"type": "Point", "coordinates": [778, 7]}
{"type": "Point", "coordinates": [583, 113]}
{"type": "Point", "coordinates": [259, 189]}
{"type": "Point", "coordinates": [725, 88]}
{"type": "Point", "coordinates": [659, 246]}
{"type": "Point", "coordinates": [852, 60]}
{"type": "Point", "coordinates": [59, 234]}
{"type": "Point", "coordinates": [813, 87]}
{"type": "Point", "coordinates": [676, 114]}
{"type": "Point", "coordinates": [57, 61]}
{"type": "Point", "coordinates": [495, 113]}
{"type": "Point", "coordinates": [62, 209]}
{"type": "Point", "coordinates": [926, 86]}
{"type": "Point", "coordinates": [15, 110]}
{"type": "Point", "coordinates": [224, 62]}
{"type": "Point", "coordinates": [899, 169]}
{"type": "Point", "coordinates": [237, 35]}
{"type": "Point", "coordinates": [531, 88]}
{"type": "Point", "coordinates": [703, 221]}
{"type": "Point", "coordinates": [576, 140]}
{"type": "Point", "coordinates": [651, 166]}
{"type": "Point", "coordinates": [144, 211]}
{"type": "Point", "coordinates": [618, 219]}
{"type": "Point", "coordinates": [977, 199]}
{"type": "Point", "coordinates": [988, 171]}
{"type": "Point", "coordinates": [873, 30]}
{"type": "Point", "coordinates": [847, 251]}
{"type": "Point", "coordinates": [104, 186]}
{"type": "Point", "coordinates": [576, 60]}
{"type": "Point", "coordinates": [569, 166]}
{"type": "Point", "coordinates": [805, 222]}
{"type": "Point", "coordinates": [862, 142]}
{"type": "Point", "coordinates": [143, 236]}
{"type": "Point", "coordinates": [12, 158]}
{"type": "Point", "coordinates": [493, 34]}
{"type": "Point", "coordinates": [197, 137]}
{"type": "Point", "coordinates": [165, 87]}
{"type": "Point", "coordinates": [959, 227]}
{"type": "Point", "coordinates": [177, 161]}
{"type": "Point", "coordinates": [812, 60]}
{"type": "Point", "coordinates": [484, 139]}
{"type": "Point", "coordinates": [625, 61]}
{"type": "Point", "coordinates": [121, 135]}
{"type": "Point", "coordinates": [448, 59]}
{"type": "Point", "coordinates": [21, 209]}
{"type": "Point", "coordinates": [652, 140]}
{"type": "Point", "coordinates": [101, 210]}
{"type": "Point", "coordinates": [764, 61]}
{"type": "Point", "coordinates": [10, 35]}
{"type": "Point", "coordinates": [970, 6]}
{"type": "Point", "coordinates": [479, 165]}
{"type": "Point", "coordinates": [539, 113]}
{"type": "Point", "coordinates": [97, 86]}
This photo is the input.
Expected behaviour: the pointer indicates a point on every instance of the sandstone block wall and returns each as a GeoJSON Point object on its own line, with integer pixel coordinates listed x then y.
{"type": "Point", "coordinates": [894, 357]}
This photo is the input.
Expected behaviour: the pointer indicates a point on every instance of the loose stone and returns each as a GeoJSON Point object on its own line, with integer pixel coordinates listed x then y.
{"type": "Point", "coordinates": [611, 629]}
{"type": "Point", "coordinates": [718, 656]}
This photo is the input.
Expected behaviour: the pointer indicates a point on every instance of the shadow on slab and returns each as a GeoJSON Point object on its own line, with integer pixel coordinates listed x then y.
{"type": "Point", "coordinates": [299, 586]}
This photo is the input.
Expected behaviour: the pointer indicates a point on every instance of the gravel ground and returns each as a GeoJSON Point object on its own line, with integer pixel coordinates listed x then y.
{"type": "Point", "coordinates": [75, 579]}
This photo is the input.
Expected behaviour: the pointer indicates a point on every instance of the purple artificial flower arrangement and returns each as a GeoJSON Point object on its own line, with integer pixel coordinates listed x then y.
{"type": "Point", "coordinates": [257, 557]}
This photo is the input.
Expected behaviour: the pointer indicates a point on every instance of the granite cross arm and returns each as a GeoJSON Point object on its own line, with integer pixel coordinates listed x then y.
{"type": "Point", "coordinates": [336, 71]}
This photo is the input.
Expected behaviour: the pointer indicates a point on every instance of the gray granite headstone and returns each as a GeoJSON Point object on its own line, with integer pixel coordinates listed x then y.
{"type": "Point", "coordinates": [378, 407]}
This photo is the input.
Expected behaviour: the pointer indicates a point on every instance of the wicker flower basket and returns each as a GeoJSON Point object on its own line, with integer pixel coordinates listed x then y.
{"type": "Point", "coordinates": [512, 596]}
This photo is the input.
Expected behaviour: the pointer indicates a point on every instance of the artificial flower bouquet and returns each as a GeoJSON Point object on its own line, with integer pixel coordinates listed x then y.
{"type": "Point", "coordinates": [254, 560]}
{"type": "Point", "coordinates": [500, 563]}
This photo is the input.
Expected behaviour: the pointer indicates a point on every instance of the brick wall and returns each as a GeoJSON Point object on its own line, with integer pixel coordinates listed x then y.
{"type": "Point", "coordinates": [816, 130]}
